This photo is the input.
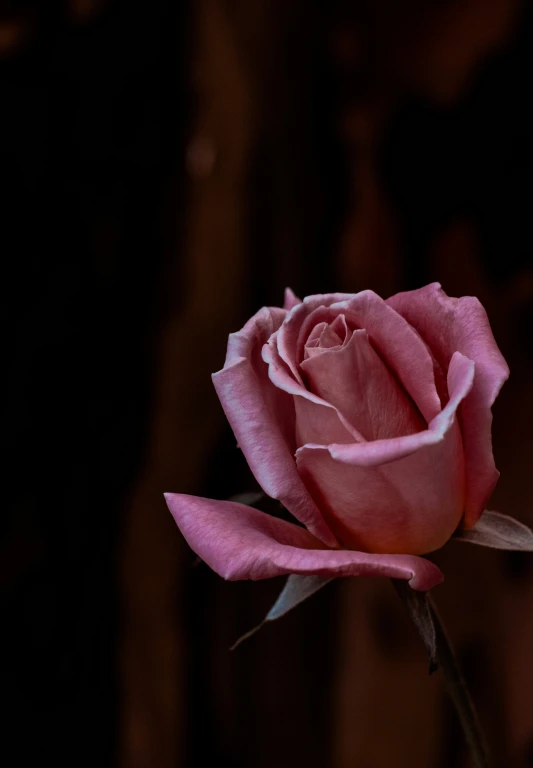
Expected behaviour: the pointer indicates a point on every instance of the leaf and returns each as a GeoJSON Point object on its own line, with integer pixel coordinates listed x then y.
{"type": "Point", "coordinates": [498, 532]}
{"type": "Point", "coordinates": [419, 609]}
{"type": "Point", "coordinates": [297, 589]}
{"type": "Point", "coordinates": [249, 498]}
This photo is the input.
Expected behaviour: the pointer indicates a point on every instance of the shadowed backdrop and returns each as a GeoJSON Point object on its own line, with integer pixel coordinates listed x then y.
{"type": "Point", "coordinates": [167, 168]}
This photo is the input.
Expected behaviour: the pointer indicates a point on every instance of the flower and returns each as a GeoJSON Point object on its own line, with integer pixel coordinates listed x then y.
{"type": "Point", "coordinates": [369, 420]}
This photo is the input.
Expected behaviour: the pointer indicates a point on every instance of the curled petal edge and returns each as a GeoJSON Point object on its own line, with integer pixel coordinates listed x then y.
{"type": "Point", "coordinates": [377, 452]}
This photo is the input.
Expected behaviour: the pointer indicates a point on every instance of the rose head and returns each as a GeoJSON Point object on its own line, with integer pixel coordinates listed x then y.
{"type": "Point", "coordinates": [370, 420]}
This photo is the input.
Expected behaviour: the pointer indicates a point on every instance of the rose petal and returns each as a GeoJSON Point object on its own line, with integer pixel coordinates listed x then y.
{"type": "Point", "coordinates": [378, 452]}
{"type": "Point", "coordinates": [340, 327]}
{"type": "Point", "coordinates": [262, 418]}
{"type": "Point", "coordinates": [356, 381]}
{"type": "Point", "coordinates": [328, 315]}
{"type": "Point", "coordinates": [239, 542]}
{"type": "Point", "coordinates": [291, 300]}
{"type": "Point", "coordinates": [314, 418]}
{"type": "Point", "coordinates": [498, 532]}
{"type": "Point", "coordinates": [448, 325]}
{"type": "Point", "coordinates": [320, 424]}
{"type": "Point", "coordinates": [315, 346]}
{"type": "Point", "coordinates": [289, 333]}
{"type": "Point", "coordinates": [328, 338]}
{"type": "Point", "coordinates": [402, 494]}
{"type": "Point", "coordinates": [401, 347]}
{"type": "Point", "coordinates": [316, 333]}
{"type": "Point", "coordinates": [321, 338]}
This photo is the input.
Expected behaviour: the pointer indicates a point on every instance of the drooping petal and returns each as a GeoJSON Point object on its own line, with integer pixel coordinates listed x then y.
{"type": "Point", "coordinates": [239, 542]}
{"type": "Point", "coordinates": [449, 325]}
{"type": "Point", "coordinates": [356, 381]}
{"type": "Point", "coordinates": [498, 531]}
{"type": "Point", "coordinates": [263, 420]}
{"type": "Point", "coordinates": [402, 494]}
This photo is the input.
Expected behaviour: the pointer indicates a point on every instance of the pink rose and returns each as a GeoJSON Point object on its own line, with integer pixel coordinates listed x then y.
{"type": "Point", "coordinates": [370, 421]}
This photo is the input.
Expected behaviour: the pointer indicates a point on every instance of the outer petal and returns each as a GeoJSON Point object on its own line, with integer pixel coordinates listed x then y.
{"type": "Point", "coordinates": [239, 542]}
{"type": "Point", "coordinates": [291, 300]}
{"type": "Point", "coordinates": [448, 325]}
{"type": "Point", "coordinates": [403, 494]}
{"type": "Point", "coordinates": [258, 412]}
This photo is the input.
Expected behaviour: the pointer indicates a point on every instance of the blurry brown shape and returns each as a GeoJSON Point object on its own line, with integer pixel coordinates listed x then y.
{"type": "Point", "coordinates": [82, 11]}
{"type": "Point", "coordinates": [368, 255]}
{"type": "Point", "coordinates": [385, 50]}
{"type": "Point", "coordinates": [15, 33]}
{"type": "Point", "coordinates": [200, 157]}
{"type": "Point", "coordinates": [430, 46]}
{"type": "Point", "coordinates": [186, 418]}
{"type": "Point", "coordinates": [447, 44]}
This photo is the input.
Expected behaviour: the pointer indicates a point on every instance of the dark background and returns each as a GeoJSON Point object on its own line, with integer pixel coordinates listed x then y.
{"type": "Point", "coordinates": [167, 168]}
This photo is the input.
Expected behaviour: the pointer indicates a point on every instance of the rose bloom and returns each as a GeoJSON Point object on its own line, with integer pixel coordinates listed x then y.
{"type": "Point", "coordinates": [369, 420]}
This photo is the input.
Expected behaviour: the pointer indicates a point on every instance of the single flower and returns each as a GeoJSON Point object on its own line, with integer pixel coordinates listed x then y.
{"type": "Point", "coordinates": [370, 421]}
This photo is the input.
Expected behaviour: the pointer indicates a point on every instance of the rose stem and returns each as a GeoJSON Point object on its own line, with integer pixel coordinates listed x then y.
{"type": "Point", "coordinates": [459, 694]}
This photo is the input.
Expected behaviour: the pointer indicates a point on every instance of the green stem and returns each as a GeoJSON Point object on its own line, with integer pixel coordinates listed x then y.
{"type": "Point", "coordinates": [459, 693]}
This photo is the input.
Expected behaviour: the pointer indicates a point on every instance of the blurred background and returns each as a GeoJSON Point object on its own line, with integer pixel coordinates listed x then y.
{"type": "Point", "coordinates": [166, 169]}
